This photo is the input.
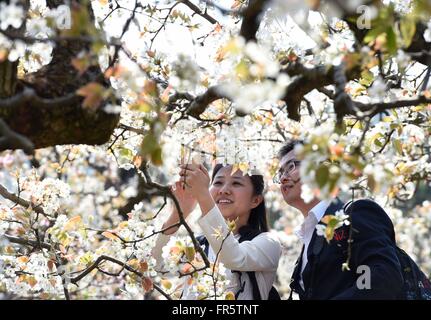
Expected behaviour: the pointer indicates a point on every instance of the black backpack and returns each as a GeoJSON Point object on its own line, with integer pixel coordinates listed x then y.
{"type": "Point", "coordinates": [416, 284]}
{"type": "Point", "coordinates": [273, 293]}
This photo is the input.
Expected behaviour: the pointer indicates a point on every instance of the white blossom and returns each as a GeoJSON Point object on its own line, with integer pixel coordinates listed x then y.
{"type": "Point", "coordinates": [11, 14]}
{"type": "Point", "coordinates": [48, 193]}
{"type": "Point", "coordinates": [185, 73]}
{"type": "Point", "coordinates": [378, 90]}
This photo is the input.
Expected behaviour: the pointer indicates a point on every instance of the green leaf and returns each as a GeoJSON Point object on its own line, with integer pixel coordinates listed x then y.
{"type": "Point", "coordinates": [333, 223]}
{"type": "Point", "coordinates": [190, 253]}
{"type": "Point", "coordinates": [86, 259]}
{"type": "Point", "coordinates": [408, 29]}
{"type": "Point", "coordinates": [151, 150]}
{"type": "Point", "coordinates": [378, 143]}
{"type": "Point", "coordinates": [143, 105]}
{"type": "Point", "coordinates": [376, 139]}
{"type": "Point", "coordinates": [97, 46]}
{"type": "Point", "coordinates": [367, 78]}
{"type": "Point", "coordinates": [422, 8]}
{"type": "Point", "coordinates": [329, 234]}
{"type": "Point", "coordinates": [333, 182]}
{"type": "Point", "coordinates": [322, 175]}
{"type": "Point", "coordinates": [149, 144]}
{"type": "Point", "coordinates": [340, 128]}
{"type": "Point", "coordinates": [398, 146]}
{"type": "Point", "coordinates": [371, 183]}
{"type": "Point", "coordinates": [394, 126]}
{"type": "Point", "coordinates": [373, 34]}
{"type": "Point", "coordinates": [127, 153]}
{"type": "Point", "coordinates": [156, 157]}
{"type": "Point", "coordinates": [391, 41]}
{"type": "Point", "coordinates": [242, 69]}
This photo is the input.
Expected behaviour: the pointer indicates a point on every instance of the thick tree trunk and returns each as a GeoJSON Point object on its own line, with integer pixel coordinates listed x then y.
{"type": "Point", "coordinates": [8, 69]}
{"type": "Point", "coordinates": [8, 78]}
{"type": "Point", "coordinates": [68, 124]}
{"type": "Point", "coordinates": [61, 123]}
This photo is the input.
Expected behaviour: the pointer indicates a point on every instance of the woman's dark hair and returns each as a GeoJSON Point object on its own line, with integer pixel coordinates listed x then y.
{"type": "Point", "coordinates": [257, 221]}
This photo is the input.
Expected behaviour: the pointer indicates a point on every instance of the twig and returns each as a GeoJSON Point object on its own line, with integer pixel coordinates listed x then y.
{"type": "Point", "coordinates": [357, 149]}
{"type": "Point", "coordinates": [215, 263]}
{"type": "Point", "coordinates": [24, 203]}
{"type": "Point", "coordinates": [132, 129]}
{"type": "Point", "coordinates": [27, 242]}
{"type": "Point", "coordinates": [163, 24]}
{"type": "Point", "coordinates": [197, 10]}
{"type": "Point", "coordinates": [101, 259]}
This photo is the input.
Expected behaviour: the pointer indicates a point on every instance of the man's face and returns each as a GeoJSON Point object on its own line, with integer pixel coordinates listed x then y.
{"type": "Point", "coordinates": [290, 184]}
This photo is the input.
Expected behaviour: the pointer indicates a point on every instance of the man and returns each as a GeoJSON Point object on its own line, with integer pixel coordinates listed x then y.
{"type": "Point", "coordinates": [375, 271]}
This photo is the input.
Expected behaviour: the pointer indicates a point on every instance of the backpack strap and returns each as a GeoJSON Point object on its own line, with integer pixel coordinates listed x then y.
{"type": "Point", "coordinates": [256, 293]}
{"type": "Point", "coordinates": [248, 235]}
{"type": "Point", "coordinates": [348, 207]}
{"type": "Point", "coordinates": [255, 286]}
{"type": "Point", "coordinates": [290, 295]}
{"type": "Point", "coordinates": [273, 293]}
{"type": "Point", "coordinates": [203, 242]}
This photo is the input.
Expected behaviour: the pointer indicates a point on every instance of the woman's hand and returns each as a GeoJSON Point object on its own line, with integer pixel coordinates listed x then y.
{"type": "Point", "coordinates": [197, 180]}
{"type": "Point", "coordinates": [185, 199]}
{"type": "Point", "coordinates": [187, 203]}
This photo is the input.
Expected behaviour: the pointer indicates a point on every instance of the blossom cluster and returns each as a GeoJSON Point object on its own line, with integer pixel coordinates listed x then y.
{"type": "Point", "coordinates": [180, 257]}
{"type": "Point", "coordinates": [48, 193]}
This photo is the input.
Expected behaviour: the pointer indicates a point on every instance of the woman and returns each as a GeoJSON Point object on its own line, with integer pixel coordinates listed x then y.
{"type": "Point", "coordinates": [235, 197]}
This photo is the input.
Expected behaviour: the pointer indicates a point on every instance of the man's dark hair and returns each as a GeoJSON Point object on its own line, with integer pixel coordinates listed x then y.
{"type": "Point", "coordinates": [287, 147]}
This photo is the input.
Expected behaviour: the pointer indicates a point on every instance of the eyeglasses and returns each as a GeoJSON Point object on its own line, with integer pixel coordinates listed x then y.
{"type": "Point", "coordinates": [288, 169]}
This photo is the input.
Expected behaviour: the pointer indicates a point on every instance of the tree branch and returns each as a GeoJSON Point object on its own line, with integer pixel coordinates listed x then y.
{"type": "Point", "coordinates": [375, 108]}
{"type": "Point", "coordinates": [252, 18]}
{"type": "Point", "coordinates": [24, 203]}
{"type": "Point", "coordinates": [56, 120]}
{"type": "Point", "coordinates": [342, 101]}
{"type": "Point", "coordinates": [201, 102]}
{"type": "Point", "coordinates": [28, 95]}
{"type": "Point", "coordinates": [59, 40]}
{"type": "Point", "coordinates": [12, 140]}
{"type": "Point", "coordinates": [26, 242]}
{"type": "Point", "coordinates": [103, 258]}
{"type": "Point", "coordinates": [197, 10]}
{"type": "Point", "coordinates": [308, 80]}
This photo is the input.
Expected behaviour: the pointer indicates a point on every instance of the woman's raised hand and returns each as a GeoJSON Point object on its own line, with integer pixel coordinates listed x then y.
{"type": "Point", "coordinates": [187, 203]}
{"type": "Point", "coordinates": [195, 178]}
{"type": "Point", "coordinates": [185, 199]}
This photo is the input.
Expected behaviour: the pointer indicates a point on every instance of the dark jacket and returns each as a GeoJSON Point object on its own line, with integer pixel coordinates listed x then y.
{"type": "Point", "coordinates": [373, 245]}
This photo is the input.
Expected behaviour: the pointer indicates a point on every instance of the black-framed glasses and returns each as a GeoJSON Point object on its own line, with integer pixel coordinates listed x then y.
{"type": "Point", "coordinates": [288, 169]}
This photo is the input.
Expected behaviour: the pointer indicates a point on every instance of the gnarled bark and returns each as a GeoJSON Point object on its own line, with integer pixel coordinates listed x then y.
{"type": "Point", "coordinates": [44, 106]}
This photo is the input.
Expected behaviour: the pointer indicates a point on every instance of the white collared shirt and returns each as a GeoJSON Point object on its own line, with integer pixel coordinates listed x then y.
{"type": "Point", "coordinates": [306, 229]}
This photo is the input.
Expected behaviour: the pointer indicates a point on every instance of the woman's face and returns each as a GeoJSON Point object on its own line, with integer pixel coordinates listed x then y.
{"type": "Point", "coordinates": [234, 194]}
